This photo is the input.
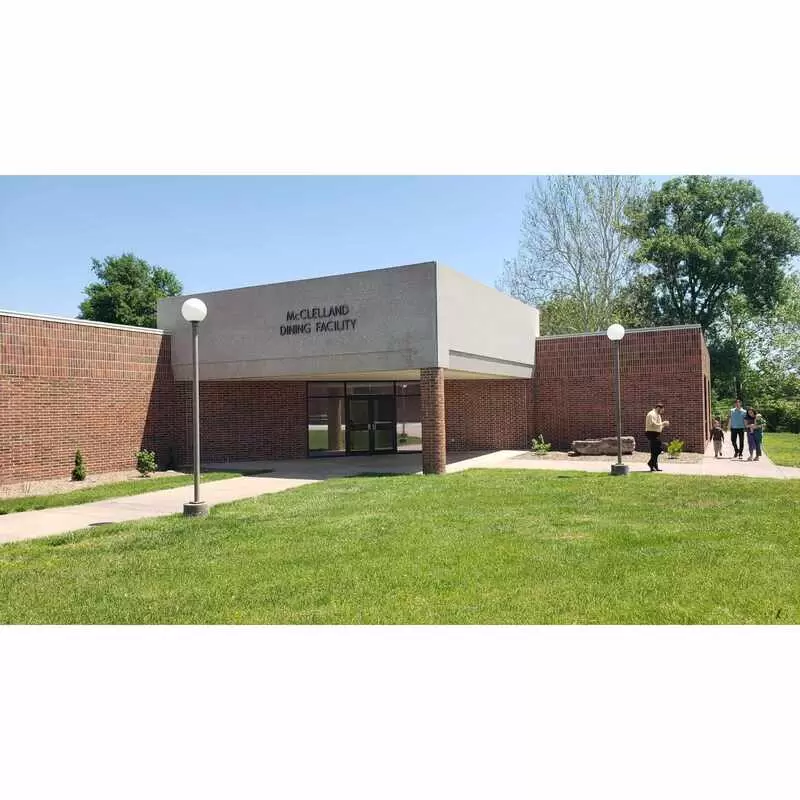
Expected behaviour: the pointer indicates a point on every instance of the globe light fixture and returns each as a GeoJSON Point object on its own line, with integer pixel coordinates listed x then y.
{"type": "Point", "coordinates": [615, 333]}
{"type": "Point", "coordinates": [194, 311]}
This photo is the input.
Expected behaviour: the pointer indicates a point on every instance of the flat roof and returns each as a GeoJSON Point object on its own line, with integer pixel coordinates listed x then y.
{"type": "Point", "coordinates": [627, 331]}
{"type": "Point", "coordinates": [75, 321]}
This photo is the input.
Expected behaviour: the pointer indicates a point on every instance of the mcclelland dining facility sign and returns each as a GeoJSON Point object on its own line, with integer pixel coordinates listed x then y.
{"type": "Point", "coordinates": [319, 319]}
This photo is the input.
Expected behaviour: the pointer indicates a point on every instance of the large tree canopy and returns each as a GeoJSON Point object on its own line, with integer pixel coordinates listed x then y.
{"type": "Point", "coordinates": [127, 290]}
{"type": "Point", "coordinates": [768, 344]}
{"type": "Point", "coordinates": [708, 239]}
{"type": "Point", "coordinates": [573, 259]}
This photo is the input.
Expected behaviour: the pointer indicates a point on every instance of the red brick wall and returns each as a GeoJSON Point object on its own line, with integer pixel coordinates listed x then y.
{"type": "Point", "coordinates": [488, 414]}
{"type": "Point", "coordinates": [573, 393]}
{"type": "Point", "coordinates": [110, 392]}
{"type": "Point", "coordinates": [65, 386]}
{"type": "Point", "coordinates": [432, 403]}
{"type": "Point", "coordinates": [244, 420]}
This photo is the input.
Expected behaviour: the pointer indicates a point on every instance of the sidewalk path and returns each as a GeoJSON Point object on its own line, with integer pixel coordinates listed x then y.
{"type": "Point", "coordinates": [51, 521]}
{"type": "Point", "coordinates": [763, 468]}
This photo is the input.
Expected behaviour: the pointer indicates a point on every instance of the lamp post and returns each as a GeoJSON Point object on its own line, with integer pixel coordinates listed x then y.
{"type": "Point", "coordinates": [615, 333]}
{"type": "Point", "coordinates": [194, 310]}
{"type": "Point", "coordinates": [405, 386]}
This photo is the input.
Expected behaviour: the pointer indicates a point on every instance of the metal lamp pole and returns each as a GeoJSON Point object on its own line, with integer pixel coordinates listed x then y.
{"type": "Point", "coordinates": [615, 333]}
{"type": "Point", "coordinates": [196, 412]}
{"type": "Point", "coordinates": [194, 311]}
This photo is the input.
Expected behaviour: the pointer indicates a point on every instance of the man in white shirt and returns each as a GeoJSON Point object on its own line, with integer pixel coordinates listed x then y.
{"type": "Point", "coordinates": [653, 425]}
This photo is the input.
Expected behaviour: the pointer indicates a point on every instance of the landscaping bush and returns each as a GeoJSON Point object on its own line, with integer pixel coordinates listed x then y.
{"type": "Point", "coordinates": [146, 462]}
{"type": "Point", "coordinates": [540, 446]}
{"type": "Point", "coordinates": [675, 448]}
{"type": "Point", "coordinates": [79, 471]}
{"type": "Point", "coordinates": [783, 416]}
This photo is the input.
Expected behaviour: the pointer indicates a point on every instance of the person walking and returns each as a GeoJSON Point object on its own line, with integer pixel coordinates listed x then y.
{"type": "Point", "coordinates": [718, 437]}
{"type": "Point", "coordinates": [653, 425]}
{"type": "Point", "coordinates": [749, 426]}
{"type": "Point", "coordinates": [758, 433]}
{"type": "Point", "coordinates": [736, 427]}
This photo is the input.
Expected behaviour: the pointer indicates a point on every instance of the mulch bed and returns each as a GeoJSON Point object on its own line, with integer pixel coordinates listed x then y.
{"type": "Point", "coordinates": [635, 457]}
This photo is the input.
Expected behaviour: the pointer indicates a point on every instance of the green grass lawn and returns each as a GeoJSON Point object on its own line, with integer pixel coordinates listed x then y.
{"type": "Point", "coordinates": [104, 491]}
{"type": "Point", "coordinates": [484, 546]}
{"type": "Point", "coordinates": [783, 448]}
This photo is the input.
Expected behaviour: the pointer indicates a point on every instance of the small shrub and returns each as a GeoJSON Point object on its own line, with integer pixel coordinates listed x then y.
{"type": "Point", "coordinates": [146, 462]}
{"type": "Point", "coordinates": [79, 471]}
{"type": "Point", "coordinates": [783, 416]}
{"type": "Point", "coordinates": [540, 446]}
{"type": "Point", "coordinates": [675, 448]}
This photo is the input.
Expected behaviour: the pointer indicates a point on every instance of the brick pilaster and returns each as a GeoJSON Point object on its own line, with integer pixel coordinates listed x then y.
{"type": "Point", "coordinates": [434, 446]}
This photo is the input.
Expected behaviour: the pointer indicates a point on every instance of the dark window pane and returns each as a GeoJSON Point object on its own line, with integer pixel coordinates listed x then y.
{"type": "Point", "coordinates": [409, 423]}
{"type": "Point", "coordinates": [383, 439]}
{"type": "Point", "coordinates": [407, 388]}
{"type": "Point", "coordinates": [370, 388]}
{"type": "Point", "coordinates": [359, 411]}
{"type": "Point", "coordinates": [359, 441]}
{"type": "Point", "coordinates": [323, 389]}
{"type": "Point", "coordinates": [383, 409]}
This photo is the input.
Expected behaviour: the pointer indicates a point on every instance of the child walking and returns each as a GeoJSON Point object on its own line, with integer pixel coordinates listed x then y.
{"type": "Point", "coordinates": [717, 436]}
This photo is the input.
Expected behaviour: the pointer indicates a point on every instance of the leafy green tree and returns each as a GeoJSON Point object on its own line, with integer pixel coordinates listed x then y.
{"type": "Point", "coordinates": [127, 290]}
{"type": "Point", "coordinates": [573, 259]}
{"type": "Point", "coordinates": [567, 315]}
{"type": "Point", "coordinates": [560, 315]}
{"type": "Point", "coordinates": [769, 345]}
{"type": "Point", "coordinates": [706, 239]}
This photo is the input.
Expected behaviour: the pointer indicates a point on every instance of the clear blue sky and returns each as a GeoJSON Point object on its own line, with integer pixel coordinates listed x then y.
{"type": "Point", "coordinates": [224, 232]}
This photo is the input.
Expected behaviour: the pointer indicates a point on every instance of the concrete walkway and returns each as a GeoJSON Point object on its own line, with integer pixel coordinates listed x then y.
{"type": "Point", "coordinates": [51, 521]}
{"type": "Point", "coordinates": [289, 474]}
{"type": "Point", "coordinates": [282, 475]}
{"type": "Point", "coordinates": [726, 465]}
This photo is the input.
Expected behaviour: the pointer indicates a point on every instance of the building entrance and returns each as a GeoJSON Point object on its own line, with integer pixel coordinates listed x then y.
{"type": "Point", "coordinates": [371, 424]}
{"type": "Point", "coordinates": [361, 418]}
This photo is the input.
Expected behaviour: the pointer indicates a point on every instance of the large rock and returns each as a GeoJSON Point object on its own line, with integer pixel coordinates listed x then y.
{"type": "Point", "coordinates": [603, 447]}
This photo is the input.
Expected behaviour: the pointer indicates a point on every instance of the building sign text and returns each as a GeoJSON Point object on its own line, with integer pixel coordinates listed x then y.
{"type": "Point", "coordinates": [320, 319]}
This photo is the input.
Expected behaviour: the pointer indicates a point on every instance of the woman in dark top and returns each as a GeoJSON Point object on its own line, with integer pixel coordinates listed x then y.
{"type": "Point", "coordinates": [750, 427]}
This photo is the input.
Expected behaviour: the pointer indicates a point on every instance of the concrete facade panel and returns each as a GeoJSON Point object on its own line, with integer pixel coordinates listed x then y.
{"type": "Point", "coordinates": [385, 318]}
{"type": "Point", "coordinates": [478, 325]}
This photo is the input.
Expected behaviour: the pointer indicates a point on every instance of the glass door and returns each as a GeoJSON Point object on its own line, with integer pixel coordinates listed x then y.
{"type": "Point", "coordinates": [383, 425]}
{"type": "Point", "coordinates": [371, 424]}
{"type": "Point", "coordinates": [359, 427]}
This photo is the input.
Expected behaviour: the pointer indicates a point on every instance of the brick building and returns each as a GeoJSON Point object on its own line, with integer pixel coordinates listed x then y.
{"type": "Point", "coordinates": [409, 358]}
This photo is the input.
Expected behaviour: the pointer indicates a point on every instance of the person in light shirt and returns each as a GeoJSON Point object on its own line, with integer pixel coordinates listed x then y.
{"type": "Point", "coordinates": [736, 425]}
{"type": "Point", "coordinates": [653, 425]}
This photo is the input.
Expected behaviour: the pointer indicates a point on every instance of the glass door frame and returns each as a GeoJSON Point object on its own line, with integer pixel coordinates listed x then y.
{"type": "Point", "coordinates": [371, 426]}
{"type": "Point", "coordinates": [347, 397]}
